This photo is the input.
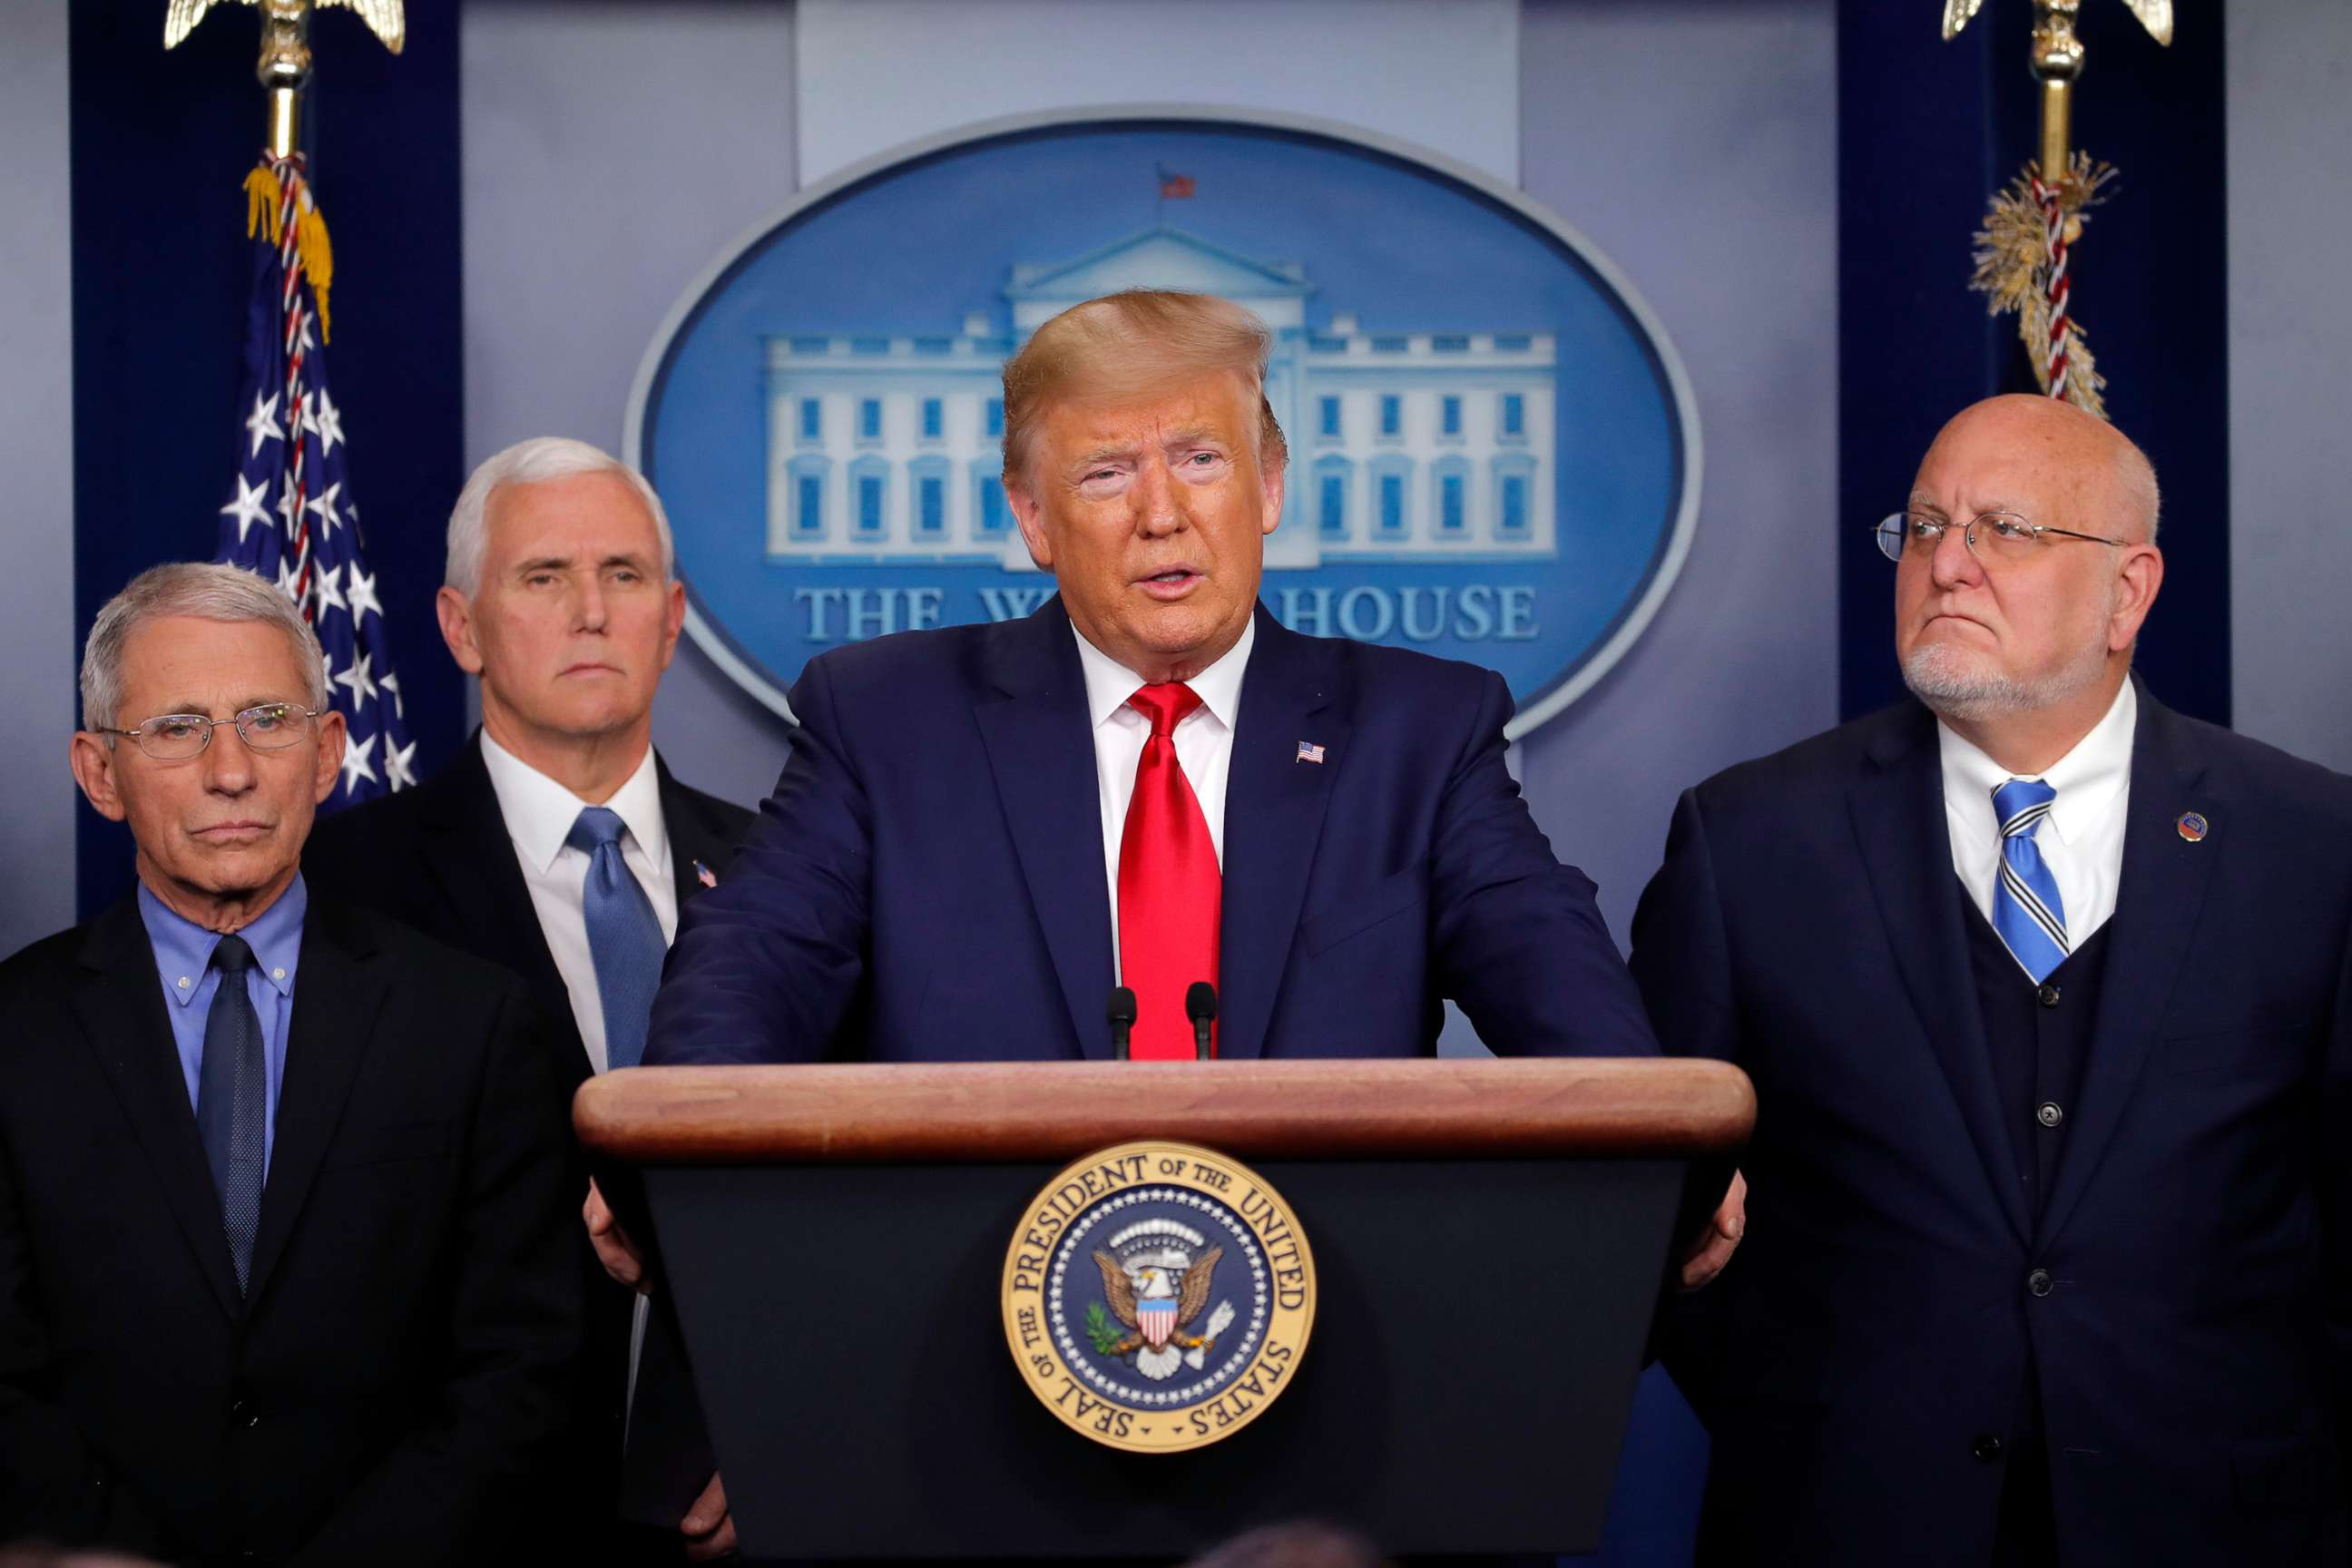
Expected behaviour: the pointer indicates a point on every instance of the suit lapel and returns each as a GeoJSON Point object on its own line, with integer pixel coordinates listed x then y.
{"type": "Point", "coordinates": [1899, 825]}
{"type": "Point", "coordinates": [338, 998]}
{"type": "Point", "coordinates": [119, 1000]}
{"type": "Point", "coordinates": [2158, 901]}
{"type": "Point", "coordinates": [471, 853]}
{"type": "Point", "coordinates": [694, 841]}
{"type": "Point", "coordinates": [1292, 691]}
{"type": "Point", "coordinates": [1042, 756]}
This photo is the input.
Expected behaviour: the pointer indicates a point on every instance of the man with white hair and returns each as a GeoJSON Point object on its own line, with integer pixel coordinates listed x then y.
{"type": "Point", "coordinates": [2047, 993]}
{"type": "Point", "coordinates": [284, 1186]}
{"type": "Point", "coordinates": [558, 845]}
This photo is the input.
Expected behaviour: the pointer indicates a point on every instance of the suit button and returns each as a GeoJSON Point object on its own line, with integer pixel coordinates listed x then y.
{"type": "Point", "coordinates": [2040, 1283]}
{"type": "Point", "coordinates": [2047, 995]}
{"type": "Point", "coordinates": [1986, 1448]}
{"type": "Point", "coordinates": [2049, 1115]}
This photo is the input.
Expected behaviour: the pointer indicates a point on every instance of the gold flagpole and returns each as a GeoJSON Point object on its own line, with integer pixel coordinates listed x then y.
{"type": "Point", "coordinates": [285, 66]}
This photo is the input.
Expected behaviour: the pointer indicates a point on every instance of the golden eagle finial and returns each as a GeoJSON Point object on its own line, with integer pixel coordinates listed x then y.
{"type": "Point", "coordinates": [2156, 16]}
{"type": "Point", "coordinates": [383, 16]}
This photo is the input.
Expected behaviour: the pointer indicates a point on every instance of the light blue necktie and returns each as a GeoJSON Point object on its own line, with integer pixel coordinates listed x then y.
{"type": "Point", "coordinates": [2026, 910]}
{"type": "Point", "coordinates": [233, 1102]}
{"type": "Point", "coordinates": [623, 936]}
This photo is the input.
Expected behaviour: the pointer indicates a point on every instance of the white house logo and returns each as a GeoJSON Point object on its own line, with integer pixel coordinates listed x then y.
{"type": "Point", "coordinates": [1493, 454]}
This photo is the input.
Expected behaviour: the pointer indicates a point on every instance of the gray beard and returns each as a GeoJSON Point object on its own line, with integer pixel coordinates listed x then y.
{"type": "Point", "coordinates": [1941, 678]}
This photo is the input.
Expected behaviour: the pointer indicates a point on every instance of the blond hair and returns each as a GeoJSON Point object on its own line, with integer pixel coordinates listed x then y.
{"type": "Point", "coordinates": [1129, 343]}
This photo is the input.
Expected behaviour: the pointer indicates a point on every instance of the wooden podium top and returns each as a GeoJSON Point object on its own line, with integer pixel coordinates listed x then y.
{"type": "Point", "coordinates": [1324, 1108]}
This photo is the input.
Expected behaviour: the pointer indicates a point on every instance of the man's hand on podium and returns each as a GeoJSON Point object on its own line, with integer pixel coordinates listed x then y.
{"type": "Point", "coordinates": [621, 1259]}
{"type": "Point", "coordinates": [708, 1528]}
{"type": "Point", "coordinates": [1712, 1248]}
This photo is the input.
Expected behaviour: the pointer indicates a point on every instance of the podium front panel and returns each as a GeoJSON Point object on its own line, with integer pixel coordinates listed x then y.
{"type": "Point", "coordinates": [1478, 1331]}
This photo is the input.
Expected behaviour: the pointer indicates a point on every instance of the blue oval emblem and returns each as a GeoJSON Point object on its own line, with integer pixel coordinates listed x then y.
{"type": "Point", "coordinates": [1494, 452]}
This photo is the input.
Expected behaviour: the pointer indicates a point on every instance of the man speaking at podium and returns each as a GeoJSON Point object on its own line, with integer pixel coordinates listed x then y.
{"type": "Point", "coordinates": [1148, 783]}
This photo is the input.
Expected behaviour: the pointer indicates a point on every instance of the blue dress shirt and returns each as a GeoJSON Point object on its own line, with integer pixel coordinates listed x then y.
{"type": "Point", "coordinates": [184, 956]}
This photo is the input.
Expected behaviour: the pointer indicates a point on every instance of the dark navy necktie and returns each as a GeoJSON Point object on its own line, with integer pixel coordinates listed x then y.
{"type": "Point", "coordinates": [624, 936]}
{"type": "Point", "coordinates": [233, 1102]}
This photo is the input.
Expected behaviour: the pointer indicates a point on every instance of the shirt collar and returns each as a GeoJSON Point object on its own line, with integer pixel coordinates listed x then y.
{"type": "Point", "coordinates": [183, 950]}
{"type": "Point", "coordinates": [1110, 683]}
{"type": "Point", "coordinates": [539, 812]}
{"type": "Point", "coordinates": [2088, 778]}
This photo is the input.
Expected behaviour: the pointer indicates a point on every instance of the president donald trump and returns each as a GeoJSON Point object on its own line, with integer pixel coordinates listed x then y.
{"type": "Point", "coordinates": [1148, 783]}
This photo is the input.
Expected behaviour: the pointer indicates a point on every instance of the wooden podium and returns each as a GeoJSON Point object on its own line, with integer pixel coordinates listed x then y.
{"type": "Point", "coordinates": [1490, 1238]}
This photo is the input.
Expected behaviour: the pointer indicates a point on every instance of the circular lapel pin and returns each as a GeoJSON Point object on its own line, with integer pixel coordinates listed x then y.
{"type": "Point", "coordinates": [2192, 827]}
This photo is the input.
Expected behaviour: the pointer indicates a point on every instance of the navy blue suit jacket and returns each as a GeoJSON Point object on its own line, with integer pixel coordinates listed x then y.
{"type": "Point", "coordinates": [927, 882]}
{"type": "Point", "coordinates": [1876, 1324]}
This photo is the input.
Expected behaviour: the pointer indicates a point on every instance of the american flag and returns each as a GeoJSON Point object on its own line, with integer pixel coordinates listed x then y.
{"type": "Point", "coordinates": [291, 518]}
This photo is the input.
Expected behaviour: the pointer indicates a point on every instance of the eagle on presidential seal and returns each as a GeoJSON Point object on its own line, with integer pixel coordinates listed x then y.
{"type": "Point", "coordinates": [1156, 1277]}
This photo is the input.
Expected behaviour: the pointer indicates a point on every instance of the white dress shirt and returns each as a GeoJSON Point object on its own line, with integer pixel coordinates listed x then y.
{"type": "Point", "coordinates": [539, 814]}
{"type": "Point", "coordinates": [2082, 837]}
{"type": "Point", "coordinates": [1205, 745]}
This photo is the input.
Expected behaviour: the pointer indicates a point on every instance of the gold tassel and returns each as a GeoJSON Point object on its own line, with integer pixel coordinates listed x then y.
{"type": "Point", "coordinates": [261, 193]}
{"type": "Point", "coordinates": [318, 256]}
{"type": "Point", "coordinates": [2012, 256]}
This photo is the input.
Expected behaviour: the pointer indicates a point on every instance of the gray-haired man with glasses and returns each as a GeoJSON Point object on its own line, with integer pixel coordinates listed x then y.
{"type": "Point", "coordinates": [2047, 992]}
{"type": "Point", "coordinates": [285, 1267]}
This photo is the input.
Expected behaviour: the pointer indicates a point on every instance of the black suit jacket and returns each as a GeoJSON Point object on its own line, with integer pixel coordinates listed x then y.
{"type": "Point", "coordinates": [439, 857]}
{"type": "Point", "coordinates": [2192, 1340]}
{"type": "Point", "coordinates": [405, 1350]}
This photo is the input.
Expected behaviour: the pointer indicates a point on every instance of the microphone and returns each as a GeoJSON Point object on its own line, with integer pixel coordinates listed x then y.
{"type": "Point", "coordinates": [1201, 1006]}
{"type": "Point", "coordinates": [1122, 1019]}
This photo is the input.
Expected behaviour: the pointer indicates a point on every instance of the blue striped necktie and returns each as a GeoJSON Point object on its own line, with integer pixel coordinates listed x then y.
{"type": "Point", "coordinates": [624, 936]}
{"type": "Point", "coordinates": [2026, 909]}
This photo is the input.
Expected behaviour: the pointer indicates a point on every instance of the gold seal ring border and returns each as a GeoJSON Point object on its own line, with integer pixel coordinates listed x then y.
{"type": "Point", "coordinates": [1043, 1370]}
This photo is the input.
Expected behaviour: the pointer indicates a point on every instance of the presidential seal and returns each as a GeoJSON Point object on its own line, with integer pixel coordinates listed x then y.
{"type": "Point", "coordinates": [1157, 1296]}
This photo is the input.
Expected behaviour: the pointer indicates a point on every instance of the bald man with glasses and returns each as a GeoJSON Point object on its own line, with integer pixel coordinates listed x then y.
{"type": "Point", "coordinates": [2047, 993]}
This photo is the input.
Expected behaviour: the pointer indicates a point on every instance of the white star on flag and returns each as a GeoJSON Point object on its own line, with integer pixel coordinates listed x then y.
{"type": "Point", "coordinates": [356, 765]}
{"type": "Point", "coordinates": [362, 589]}
{"type": "Point", "coordinates": [264, 423]}
{"type": "Point", "coordinates": [286, 583]}
{"type": "Point", "coordinates": [324, 593]}
{"type": "Point", "coordinates": [390, 683]}
{"type": "Point", "coordinates": [363, 688]}
{"type": "Point", "coordinates": [399, 767]}
{"type": "Point", "coordinates": [324, 422]}
{"type": "Point", "coordinates": [248, 508]}
{"type": "Point", "coordinates": [286, 509]}
{"type": "Point", "coordinates": [323, 506]}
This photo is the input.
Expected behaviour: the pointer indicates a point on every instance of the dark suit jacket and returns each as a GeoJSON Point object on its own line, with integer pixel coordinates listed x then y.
{"type": "Point", "coordinates": [402, 1353]}
{"type": "Point", "coordinates": [439, 857]}
{"type": "Point", "coordinates": [2191, 1352]}
{"type": "Point", "coordinates": [927, 882]}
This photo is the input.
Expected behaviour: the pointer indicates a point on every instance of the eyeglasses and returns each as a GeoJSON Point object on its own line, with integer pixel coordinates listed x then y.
{"type": "Point", "coordinates": [2005, 536]}
{"type": "Point", "coordinates": [177, 737]}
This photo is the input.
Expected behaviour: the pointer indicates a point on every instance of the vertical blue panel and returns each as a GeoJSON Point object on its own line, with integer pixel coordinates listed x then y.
{"type": "Point", "coordinates": [161, 145]}
{"type": "Point", "coordinates": [1938, 127]}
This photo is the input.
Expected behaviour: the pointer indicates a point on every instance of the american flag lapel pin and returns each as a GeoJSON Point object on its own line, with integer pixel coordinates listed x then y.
{"type": "Point", "coordinates": [704, 875]}
{"type": "Point", "coordinates": [1308, 752]}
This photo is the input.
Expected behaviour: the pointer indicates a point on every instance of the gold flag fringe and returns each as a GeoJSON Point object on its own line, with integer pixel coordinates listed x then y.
{"type": "Point", "coordinates": [2013, 268]}
{"type": "Point", "coordinates": [264, 190]}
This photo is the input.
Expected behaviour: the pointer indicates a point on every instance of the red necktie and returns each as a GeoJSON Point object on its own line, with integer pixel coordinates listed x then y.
{"type": "Point", "coordinates": [1170, 892]}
